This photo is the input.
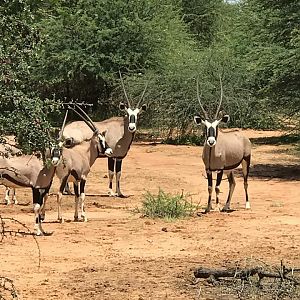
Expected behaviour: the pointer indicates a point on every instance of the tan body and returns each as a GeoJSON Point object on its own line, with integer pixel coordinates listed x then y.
{"type": "Point", "coordinates": [75, 167]}
{"type": "Point", "coordinates": [28, 171]}
{"type": "Point", "coordinates": [222, 151]}
{"type": "Point", "coordinates": [231, 148]}
{"type": "Point", "coordinates": [118, 138]}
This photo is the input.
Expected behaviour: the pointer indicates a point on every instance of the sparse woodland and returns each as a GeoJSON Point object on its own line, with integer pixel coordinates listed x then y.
{"type": "Point", "coordinates": [59, 50]}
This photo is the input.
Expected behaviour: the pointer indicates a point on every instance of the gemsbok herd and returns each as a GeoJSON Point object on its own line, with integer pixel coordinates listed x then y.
{"type": "Point", "coordinates": [80, 143]}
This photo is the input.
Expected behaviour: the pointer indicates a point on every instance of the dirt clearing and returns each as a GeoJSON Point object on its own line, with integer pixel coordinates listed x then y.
{"type": "Point", "coordinates": [118, 254]}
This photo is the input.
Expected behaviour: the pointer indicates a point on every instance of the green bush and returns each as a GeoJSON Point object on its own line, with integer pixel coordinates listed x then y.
{"type": "Point", "coordinates": [164, 205]}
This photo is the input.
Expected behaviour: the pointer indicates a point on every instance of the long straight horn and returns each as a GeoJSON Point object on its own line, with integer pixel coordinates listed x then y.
{"type": "Point", "coordinates": [124, 89]}
{"type": "Point", "coordinates": [221, 98]}
{"type": "Point", "coordinates": [199, 100]}
{"type": "Point", "coordinates": [84, 119]}
{"type": "Point", "coordinates": [63, 126]}
{"type": "Point", "coordinates": [138, 105]}
{"type": "Point", "coordinates": [87, 117]}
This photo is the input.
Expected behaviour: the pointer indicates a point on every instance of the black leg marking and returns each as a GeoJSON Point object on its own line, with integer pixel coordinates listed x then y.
{"type": "Point", "coordinates": [111, 170]}
{"type": "Point", "coordinates": [111, 164]}
{"type": "Point", "coordinates": [246, 168]}
{"type": "Point", "coordinates": [118, 165]}
{"type": "Point", "coordinates": [217, 189]}
{"type": "Point", "coordinates": [210, 182]}
{"type": "Point", "coordinates": [82, 186]}
{"type": "Point", "coordinates": [76, 190]}
{"type": "Point", "coordinates": [118, 176]}
{"type": "Point", "coordinates": [67, 190]}
{"type": "Point", "coordinates": [63, 184]}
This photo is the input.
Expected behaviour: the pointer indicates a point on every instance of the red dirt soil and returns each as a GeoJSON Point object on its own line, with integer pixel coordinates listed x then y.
{"type": "Point", "coordinates": [118, 254]}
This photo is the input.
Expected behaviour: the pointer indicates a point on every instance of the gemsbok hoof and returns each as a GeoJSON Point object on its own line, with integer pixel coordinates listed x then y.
{"type": "Point", "coordinates": [207, 210]}
{"type": "Point", "coordinates": [121, 196]}
{"type": "Point", "coordinates": [227, 210]}
{"type": "Point", "coordinates": [111, 194]}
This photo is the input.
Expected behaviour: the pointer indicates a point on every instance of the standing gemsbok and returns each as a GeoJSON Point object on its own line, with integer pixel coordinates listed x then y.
{"type": "Point", "coordinates": [119, 133]}
{"type": "Point", "coordinates": [223, 151]}
{"type": "Point", "coordinates": [77, 162]}
{"type": "Point", "coordinates": [31, 172]}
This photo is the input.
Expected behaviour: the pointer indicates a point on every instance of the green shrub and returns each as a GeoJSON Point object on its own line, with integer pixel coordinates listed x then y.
{"type": "Point", "coordinates": [164, 205]}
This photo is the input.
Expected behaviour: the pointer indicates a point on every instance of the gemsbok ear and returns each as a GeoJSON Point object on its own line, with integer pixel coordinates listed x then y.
{"type": "Point", "coordinates": [197, 120]}
{"type": "Point", "coordinates": [144, 107]}
{"type": "Point", "coordinates": [122, 106]}
{"type": "Point", "coordinates": [225, 118]}
{"type": "Point", "coordinates": [103, 133]}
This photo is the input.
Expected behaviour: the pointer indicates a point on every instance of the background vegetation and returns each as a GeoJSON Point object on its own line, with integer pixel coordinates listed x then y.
{"type": "Point", "coordinates": [58, 50]}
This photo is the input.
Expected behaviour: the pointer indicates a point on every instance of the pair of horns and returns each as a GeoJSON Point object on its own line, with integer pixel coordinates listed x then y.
{"type": "Point", "coordinates": [220, 102]}
{"type": "Point", "coordinates": [82, 114]}
{"type": "Point", "coordinates": [129, 104]}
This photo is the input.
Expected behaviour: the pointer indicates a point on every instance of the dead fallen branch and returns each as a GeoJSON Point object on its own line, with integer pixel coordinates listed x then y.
{"type": "Point", "coordinates": [246, 273]}
{"type": "Point", "coordinates": [250, 279]}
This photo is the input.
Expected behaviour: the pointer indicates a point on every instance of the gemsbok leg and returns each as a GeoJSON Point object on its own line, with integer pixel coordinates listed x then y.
{"type": "Point", "coordinates": [76, 192]}
{"type": "Point", "coordinates": [79, 200]}
{"type": "Point", "coordinates": [114, 166]}
{"type": "Point", "coordinates": [59, 198]}
{"type": "Point", "coordinates": [118, 177]}
{"type": "Point", "coordinates": [210, 188]}
{"type": "Point", "coordinates": [111, 172]}
{"type": "Point", "coordinates": [43, 208]}
{"type": "Point", "coordinates": [231, 182]}
{"type": "Point", "coordinates": [246, 167]}
{"type": "Point", "coordinates": [217, 188]}
{"type": "Point", "coordinates": [38, 195]}
{"type": "Point", "coordinates": [14, 197]}
{"type": "Point", "coordinates": [7, 199]}
{"type": "Point", "coordinates": [80, 196]}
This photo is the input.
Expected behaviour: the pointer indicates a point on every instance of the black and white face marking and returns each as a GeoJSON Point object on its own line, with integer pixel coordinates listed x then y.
{"type": "Point", "coordinates": [133, 116]}
{"type": "Point", "coordinates": [211, 128]}
{"type": "Point", "coordinates": [211, 132]}
{"type": "Point", "coordinates": [55, 155]}
{"type": "Point", "coordinates": [104, 148]}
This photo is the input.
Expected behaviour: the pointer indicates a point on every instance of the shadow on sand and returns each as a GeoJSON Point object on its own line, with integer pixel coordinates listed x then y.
{"type": "Point", "coordinates": [273, 171]}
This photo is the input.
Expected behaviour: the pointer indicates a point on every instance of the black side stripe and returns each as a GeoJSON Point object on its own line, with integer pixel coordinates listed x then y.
{"type": "Point", "coordinates": [14, 181]}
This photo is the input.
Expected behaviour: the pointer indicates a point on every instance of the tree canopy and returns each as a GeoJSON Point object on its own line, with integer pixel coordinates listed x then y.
{"type": "Point", "coordinates": [73, 50]}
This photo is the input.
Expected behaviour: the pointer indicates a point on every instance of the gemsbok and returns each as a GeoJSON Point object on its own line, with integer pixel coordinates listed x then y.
{"type": "Point", "coordinates": [77, 162]}
{"type": "Point", "coordinates": [223, 152]}
{"type": "Point", "coordinates": [8, 148]}
{"type": "Point", "coordinates": [119, 135]}
{"type": "Point", "coordinates": [31, 172]}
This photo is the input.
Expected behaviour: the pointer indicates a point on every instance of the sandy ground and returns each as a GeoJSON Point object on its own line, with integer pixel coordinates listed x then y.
{"type": "Point", "coordinates": [118, 254]}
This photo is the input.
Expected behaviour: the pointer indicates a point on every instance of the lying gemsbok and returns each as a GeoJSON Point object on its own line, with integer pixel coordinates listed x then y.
{"type": "Point", "coordinates": [223, 151]}
{"type": "Point", "coordinates": [77, 162]}
{"type": "Point", "coordinates": [119, 133]}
